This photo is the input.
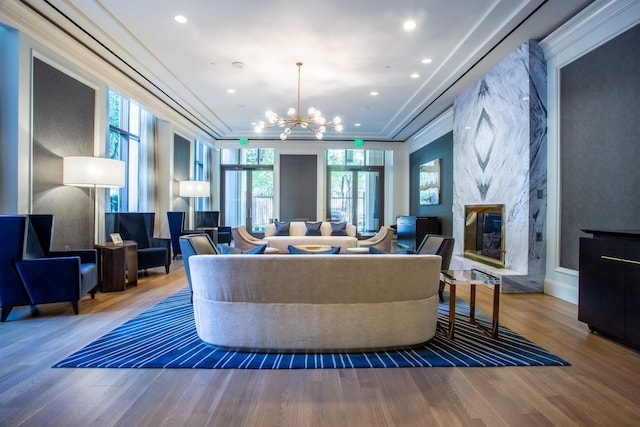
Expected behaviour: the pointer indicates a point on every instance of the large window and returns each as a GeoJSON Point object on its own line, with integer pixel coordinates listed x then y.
{"type": "Point", "coordinates": [202, 171]}
{"type": "Point", "coordinates": [355, 181]}
{"type": "Point", "coordinates": [247, 187]}
{"type": "Point", "coordinates": [126, 125]}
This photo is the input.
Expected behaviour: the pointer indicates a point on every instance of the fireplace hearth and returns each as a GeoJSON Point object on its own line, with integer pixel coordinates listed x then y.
{"type": "Point", "coordinates": [484, 236]}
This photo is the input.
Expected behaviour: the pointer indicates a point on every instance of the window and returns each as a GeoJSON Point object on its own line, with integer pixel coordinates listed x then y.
{"type": "Point", "coordinates": [130, 140]}
{"type": "Point", "coordinates": [355, 181]}
{"type": "Point", "coordinates": [202, 171]}
{"type": "Point", "coordinates": [247, 187]}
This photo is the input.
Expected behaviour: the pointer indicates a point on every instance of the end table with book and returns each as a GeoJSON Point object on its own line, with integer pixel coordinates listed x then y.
{"type": "Point", "coordinates": [117, 265]}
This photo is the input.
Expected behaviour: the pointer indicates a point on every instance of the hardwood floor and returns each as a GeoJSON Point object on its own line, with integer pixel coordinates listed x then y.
{"type": "Point", "coordinates": [602, 387]}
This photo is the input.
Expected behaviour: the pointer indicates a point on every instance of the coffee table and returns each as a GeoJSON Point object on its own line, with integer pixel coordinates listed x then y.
{"type": "Point", "coordinates": [314, 248]}
{"type": "Point", "coordinates": [471, 278]}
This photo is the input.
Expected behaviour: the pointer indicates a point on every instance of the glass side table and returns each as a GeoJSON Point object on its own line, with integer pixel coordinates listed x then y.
{"type": "Point", "coordinates": [471, 278]}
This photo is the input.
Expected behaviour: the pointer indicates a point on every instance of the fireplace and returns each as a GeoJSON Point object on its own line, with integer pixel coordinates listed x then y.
{"type": "Point", "coordinates": [484, 234]}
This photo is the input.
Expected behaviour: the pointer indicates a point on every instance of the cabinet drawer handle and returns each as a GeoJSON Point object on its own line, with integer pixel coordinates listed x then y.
{"type": "Point", "coordinates": [628, 261]}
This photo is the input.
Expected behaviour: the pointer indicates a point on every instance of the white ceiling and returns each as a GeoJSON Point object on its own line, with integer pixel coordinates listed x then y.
{"type": "Point", "coordinates": [349, 48]}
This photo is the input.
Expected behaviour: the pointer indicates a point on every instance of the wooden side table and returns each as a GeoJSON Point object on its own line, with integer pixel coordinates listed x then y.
{"type": "Point", "coordinates": [118, 265]}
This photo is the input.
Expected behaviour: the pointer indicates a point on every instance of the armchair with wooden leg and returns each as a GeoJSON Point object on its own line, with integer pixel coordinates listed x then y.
{"type": "Point", "coordinates": [244, 240]}
{"type": "Point", "coordinates": [382, 240]}
{"type": "Point", "coordinates": [31, 274]}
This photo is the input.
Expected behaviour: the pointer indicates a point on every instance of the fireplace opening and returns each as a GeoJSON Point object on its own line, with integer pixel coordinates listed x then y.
{"type": "Point", "coordinates": [484, 234]}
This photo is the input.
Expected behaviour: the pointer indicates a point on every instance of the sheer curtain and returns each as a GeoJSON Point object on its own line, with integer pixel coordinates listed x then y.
{"type": "Point", "coordinates": [147, 183]}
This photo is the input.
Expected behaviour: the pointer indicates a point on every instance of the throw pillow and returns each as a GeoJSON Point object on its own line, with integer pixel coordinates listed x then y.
{"type": "Point", "coordinates": [257, 250]}
{"type": "Point", "coordinates": [225, 249]}
{"type": "Point", "coordinates": [313, 228]}
{"type": "Point", "coordinates": [296, 251]}
{"type": "Point", "coordinates": [338, 228]}
{"type": "Point", "coordinates": [282, 228]}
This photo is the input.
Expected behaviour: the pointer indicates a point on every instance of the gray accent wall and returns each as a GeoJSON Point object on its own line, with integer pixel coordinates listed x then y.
{"type": "Point", "coordinates": [63, 125]}
{"type": "Point", "coordinates": [600, 142]}
{"type": "Point", "coordinates": [441, 148]}
{"type": "Point", "coordinates": [181, 164]}
{"type": "Point", "coordinates": [298, 186]}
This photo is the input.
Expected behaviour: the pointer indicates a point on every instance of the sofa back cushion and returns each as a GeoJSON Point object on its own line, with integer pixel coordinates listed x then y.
{"type": "Point", "coordinates": [289, 278]}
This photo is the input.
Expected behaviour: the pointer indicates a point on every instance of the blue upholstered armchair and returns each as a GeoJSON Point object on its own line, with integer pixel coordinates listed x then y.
{"type": "Point", "coordinates": [137, 226]}
{"type": "Point", "coordinates": [195, 244]}
{"type": "Point", "coordinates": [30, 273]}
{"type": "Point", "coordinates": [176, 229]}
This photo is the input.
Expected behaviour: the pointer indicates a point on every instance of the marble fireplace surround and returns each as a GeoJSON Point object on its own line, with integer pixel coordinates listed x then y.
{"type": "Point", "coordinates": [499, 158]}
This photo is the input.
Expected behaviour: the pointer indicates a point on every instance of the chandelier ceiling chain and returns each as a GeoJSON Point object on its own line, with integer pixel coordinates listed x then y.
{"type": "Point", "coordinates": [314, 121]}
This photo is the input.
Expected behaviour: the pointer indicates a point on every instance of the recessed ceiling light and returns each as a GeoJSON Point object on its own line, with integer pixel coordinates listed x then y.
{"type": "Point", "coordinates": [181, 19]}
{"type": "Point", "coordinates": [415, 75]}
{"type": "Point", "coordinates": [409, 25]}
{"type": "Point", "coordinates": [231, 91]}
{"type": "Point", "coordinates": [427, 61]}
{"type": "Point", "coordinates": [357, 125]}
{"type": "Point", "coordinates": [373, 93]}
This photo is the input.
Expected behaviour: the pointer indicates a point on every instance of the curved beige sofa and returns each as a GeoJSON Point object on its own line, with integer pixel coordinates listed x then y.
{"type": "Point", "coordinates": [315, 302]}
{"type": "Point", "coordinates": [297, 230]}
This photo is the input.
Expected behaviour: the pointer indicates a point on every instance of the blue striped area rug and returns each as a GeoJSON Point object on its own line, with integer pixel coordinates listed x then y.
{"type": "Point", "coordinates": [165, 337]}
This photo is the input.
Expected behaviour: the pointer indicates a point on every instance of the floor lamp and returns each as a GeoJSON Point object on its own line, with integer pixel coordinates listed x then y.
{"type": "Point", "coordinates": [93, 172]}
{"type": "Point", "coordinates": [194, 189]}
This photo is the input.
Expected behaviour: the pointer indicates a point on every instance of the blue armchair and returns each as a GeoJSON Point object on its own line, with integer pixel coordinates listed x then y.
{"type": "Point", "coordinates": [136, 226]}
{"type": "Point", "coordinates": [30, 273]}
{"type": "Point", "coordinates": [195, 244]}
{"type": "Point", "coordinates": [176, 229]}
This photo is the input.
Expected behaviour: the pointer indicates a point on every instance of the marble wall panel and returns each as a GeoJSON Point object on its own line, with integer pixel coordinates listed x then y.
{"type": "Point", "coordinates": [499, 141]}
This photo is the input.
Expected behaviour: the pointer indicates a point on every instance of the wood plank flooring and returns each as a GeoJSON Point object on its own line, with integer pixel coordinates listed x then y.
{"type": "Point", "coordinates": [602, 387]}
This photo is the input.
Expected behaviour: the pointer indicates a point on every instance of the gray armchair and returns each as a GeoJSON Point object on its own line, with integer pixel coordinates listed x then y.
{"type": "Point", "coordinates": [438, 245]}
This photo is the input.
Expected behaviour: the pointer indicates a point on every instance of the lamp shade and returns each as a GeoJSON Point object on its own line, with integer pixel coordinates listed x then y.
{"type": "Point", "coordinates": [194, 189]}
{"type": "Point", "coordinates": [92, 171]}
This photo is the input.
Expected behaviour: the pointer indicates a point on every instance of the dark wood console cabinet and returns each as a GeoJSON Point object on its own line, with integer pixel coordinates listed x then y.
{"type": "Point", "coordinates": [412, 229]}
{"type": "Point", "coordinates": [609, 284]}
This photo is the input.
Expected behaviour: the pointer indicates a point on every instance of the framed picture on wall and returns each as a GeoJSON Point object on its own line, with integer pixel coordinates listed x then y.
{"type": "Point", "coordinates": [430, 183]}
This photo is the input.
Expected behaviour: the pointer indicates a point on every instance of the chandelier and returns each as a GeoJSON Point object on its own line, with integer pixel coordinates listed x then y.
{"type": "Point", "coordinates": [314, 121]}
